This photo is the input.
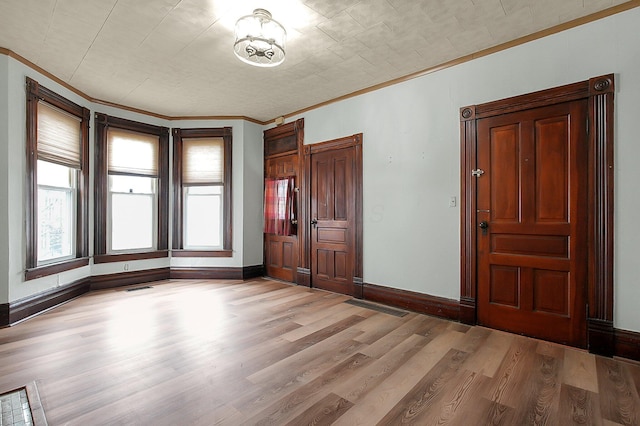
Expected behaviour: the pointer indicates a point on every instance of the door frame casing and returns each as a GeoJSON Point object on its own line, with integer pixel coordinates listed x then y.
{"type": "Point", "coordinates": [599, 91]}
{"type": "Point", "coordinates": [272, 136]}
{"type": "Point", "coordinates": [353, 141]}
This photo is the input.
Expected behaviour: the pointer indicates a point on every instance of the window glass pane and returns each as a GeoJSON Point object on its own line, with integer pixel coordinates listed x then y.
{"type": "Point", "coordinates": [56, 221]}
{"type": "Point", "coordinates": [203, 217]}
{"type": "Point", "coordinates": [132, 184]}
{"type": "Point", "coordinates": [132, 221]}
{"type": "Point", "coordinates": [51, 174]}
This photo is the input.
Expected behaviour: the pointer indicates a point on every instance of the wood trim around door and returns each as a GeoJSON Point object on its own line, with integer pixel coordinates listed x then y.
{"type": "Point", "coordinates": [283, 158]}
{"type": "Point", "coordinates": [354, 141]}
{"type": "Point", "coordinates": [600, 94]}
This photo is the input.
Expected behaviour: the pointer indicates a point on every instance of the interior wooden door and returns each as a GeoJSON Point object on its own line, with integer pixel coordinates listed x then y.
{"type": "Point", "coordinates": [281, 251]}
{"type": "Point", "coordinates": [532, 204]}
{"type": "Point", "coordinates": [333, 213]}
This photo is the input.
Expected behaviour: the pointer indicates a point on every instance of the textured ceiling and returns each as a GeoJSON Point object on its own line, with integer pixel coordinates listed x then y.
{"type": "Point", "coordinates": [175, 57]}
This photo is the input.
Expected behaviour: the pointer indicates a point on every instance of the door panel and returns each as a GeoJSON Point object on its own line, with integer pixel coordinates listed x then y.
{"type": "Point", "coordinates": [550, 292]}
{"type": "Point", "coordinates": [505, 285]}
{"type": "Point", "coordinates": [505, 180]}
{"type": "Point", "coordinates": [552, 171]}
{"type": "Point", "coordinates": [274, 254]}
{"type": "Point", "coordinates": [532, 262]}
{"type": "Point", "coordinates": [333, 201]}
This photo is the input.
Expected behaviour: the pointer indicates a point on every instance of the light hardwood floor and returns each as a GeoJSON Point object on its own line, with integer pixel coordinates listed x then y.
{"type": "Point", "coordinates": [200, 352]}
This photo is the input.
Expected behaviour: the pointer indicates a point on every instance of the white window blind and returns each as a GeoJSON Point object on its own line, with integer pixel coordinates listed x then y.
{"type": "Point", "coordinates": [132, 153]}
{"type": "Point", "coordinates": [59, 136]}
{"type": "Point", "coordinates": [202, 161]}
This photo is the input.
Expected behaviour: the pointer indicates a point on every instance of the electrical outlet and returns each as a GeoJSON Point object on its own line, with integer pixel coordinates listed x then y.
{"type": "Point", "coordinates": [452, 201]}
{"type": "Point", "coordinates": [126, 266]}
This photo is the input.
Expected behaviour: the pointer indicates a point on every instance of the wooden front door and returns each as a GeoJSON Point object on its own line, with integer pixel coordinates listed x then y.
{"type": "Point", "coordinates": [532, 218]}
{"type": "Point", "coordinates": [333, 220]}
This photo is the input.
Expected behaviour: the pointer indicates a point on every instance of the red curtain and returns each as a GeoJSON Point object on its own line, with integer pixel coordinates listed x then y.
{"type": "Point", "coordinates": [279, 206]}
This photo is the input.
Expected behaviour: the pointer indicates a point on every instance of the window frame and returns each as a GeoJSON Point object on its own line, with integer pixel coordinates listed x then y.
{"type": "Point", "coordinates": [178, 249]}
{"type": "Point", "coordinates": [101, 184]}
{"type": "Point", "coordinates": [35, 93]}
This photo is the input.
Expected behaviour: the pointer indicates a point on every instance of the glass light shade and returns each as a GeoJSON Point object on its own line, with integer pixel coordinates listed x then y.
{"type": "Point", "coordinates": [259, 39]}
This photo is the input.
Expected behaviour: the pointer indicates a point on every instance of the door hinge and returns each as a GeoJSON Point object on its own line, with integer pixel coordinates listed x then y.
{"type": "Point", "coordinates": [477, 172]}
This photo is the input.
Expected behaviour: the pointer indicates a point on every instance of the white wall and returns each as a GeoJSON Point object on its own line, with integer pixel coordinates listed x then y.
{"type": "Point", "coordinates": [412, 156]}
{"type": "Point", "coordinates": [4, 178]}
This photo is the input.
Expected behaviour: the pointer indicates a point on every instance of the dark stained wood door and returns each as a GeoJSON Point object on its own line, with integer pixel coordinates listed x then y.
{"type": "Point", "coordinates": [333, 213]}
{"type": "Point", "coordinates": [281, 251]}
{"type": "Point", "coordinates": [532, 204]}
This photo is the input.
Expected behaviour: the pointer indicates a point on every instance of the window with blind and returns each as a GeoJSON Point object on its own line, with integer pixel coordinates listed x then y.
{"type": "Point", "coordinates": [57, 174]}
{"type": "Point", "coordinates": [132, 165]}
{"type": "Point", "coordinates": [202, 192]}
{"type": "Point", "coordinates": [131, 189]}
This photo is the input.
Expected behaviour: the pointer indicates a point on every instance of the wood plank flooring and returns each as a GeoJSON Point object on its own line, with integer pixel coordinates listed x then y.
{"type": "Point", "coordinates": [260, 352]}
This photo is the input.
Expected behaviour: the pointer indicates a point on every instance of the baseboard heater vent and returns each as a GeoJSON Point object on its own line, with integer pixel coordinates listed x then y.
{"type": "Point", "coordinates": [377, 308]}
{"type": "Point", "coordinates": [144, 287]}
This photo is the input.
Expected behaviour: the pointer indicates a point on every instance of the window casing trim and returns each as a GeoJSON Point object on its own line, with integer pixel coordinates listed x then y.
{"type": "Point", "coordinates": [178, 249]}
{"type": "Point", "coordinates": [35, 93]}
{"type": "Point", "coordinates": [101, 189]}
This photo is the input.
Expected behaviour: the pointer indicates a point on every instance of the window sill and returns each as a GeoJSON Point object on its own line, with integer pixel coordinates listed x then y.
{"type": "Point", "coordinates": [201, 253]}
{"type": "Point", "coordinates": [124, 257]}
{"type": "Point", "coordinates": [55, 268]}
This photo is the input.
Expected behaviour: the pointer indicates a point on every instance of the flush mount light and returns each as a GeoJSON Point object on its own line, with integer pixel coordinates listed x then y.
{"type": "Point", "coordinates": [259, 39]}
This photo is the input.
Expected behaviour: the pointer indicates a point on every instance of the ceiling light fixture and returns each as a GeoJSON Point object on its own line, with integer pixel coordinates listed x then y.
{"type": "Point", "coordinates": [260, 39]}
